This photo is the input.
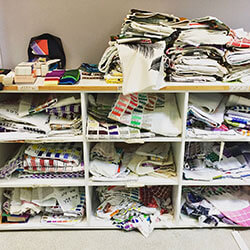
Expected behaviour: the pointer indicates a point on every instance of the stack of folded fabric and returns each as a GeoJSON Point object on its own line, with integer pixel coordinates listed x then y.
{"type": "Point", "coordinates": [135, 208]}
{"type": "Point", "coordinates": [53, 77]}
{"type": "Point", "coordinates": [238, 56]}
{"type": "Point", "coordinates": [40, 116]}
{"type": "Point", "coordinates": [90, 71]}
{"type": "Point", "coordinates": [70, 77]}
{"type": "Point", "coordinates": [217, 204]}
{"type": "Point", "coordinates": [64, 158]}
{"type": "Point", "coordinates": [153, 159]}
{"type": "Point", "coordinates": [44, 161]}
{"type": "Point", "coordinates": [198, 53]}
{"type": "Point", "coordinates": [106, 161]}
{"type": "Point", "coordinates": [110, 65]}
{"type": "Point", "coordinates": [206, 115]}
{"type": "Point", "coordinates": [176, 49]}
{"type": "Point", "coordinates": [207, 162]}
{"type": "Point", "coordinates": [237, 114]}
{"type": "Point", "coordinates": [100, 126]}
{"type": "Point", "coordinates": [55, 205]}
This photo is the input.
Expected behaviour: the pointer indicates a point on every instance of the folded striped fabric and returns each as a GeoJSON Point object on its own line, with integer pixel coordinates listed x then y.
{"type": "Point", "coordinates": [24, 175]}
{"type": "Point", "coordinates": [70, 77]}
{"type": "Point", "coordinates": [61, 157]}
{"type": "Point", "coordinates": [67, 111]}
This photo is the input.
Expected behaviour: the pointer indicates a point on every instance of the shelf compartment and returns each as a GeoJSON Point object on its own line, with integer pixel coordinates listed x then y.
{"type": "Point", "coordinates": [166, 220]}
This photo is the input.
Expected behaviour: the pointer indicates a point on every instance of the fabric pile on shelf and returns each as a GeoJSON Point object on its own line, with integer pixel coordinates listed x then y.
{"type": "Point", "coordinates": [90, 71]}
{"type": "Point", "coordinates": [210, 161]}
{"type": "Point", "coordinates": [46, 161]}
{"type": "Point", "coordinates": [110, 65]}
{"type": "Point", "coordinates": [238, 56]}
{"type": "Point", "coordinates": [99, 126]}
{"type": "Point", "coordinates": [106, 161]}
{"type": "Point", "coordinates": [237, 114]}
{"type": "Point", "coordinates": [122, 163]}
{"type": "Point", "coordinates": [218, 115]}
{"type": "Point", "coordinates": [40, 116]}
{"type": "Point", "coordinates": [55, 205]}
{"type": "Point", "coordinates": [62, 77]}
{"type": "Point", "coordinates": [206, 115]}
{"type": "Point", "coordinates": [175, 49]}
{"type": "Point", "coordinates": [52, 78]}
{"type": "Point", "coordinates": [132, 116]}
{"type": "Point", "coordinates": [153, 159]}
{"type": "Point", "coordinates": [217, 204]}
{"type": "Point", "coordinates": [144, 111]}
{"type": "Point", "coordinates": [135, 208]}
{"type": "Point", "coordinates": [197, 55]}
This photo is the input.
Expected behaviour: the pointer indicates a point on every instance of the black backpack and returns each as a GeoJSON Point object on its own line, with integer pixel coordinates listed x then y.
{"type": "Point", "coordinates": [47, 45]}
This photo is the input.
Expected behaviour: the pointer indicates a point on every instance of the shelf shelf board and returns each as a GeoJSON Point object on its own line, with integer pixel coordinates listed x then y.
{"type": "Point", "coordinates": [101, 86]}
{"type": "Point", "coordinates": [28, 182]}
{"type": "Point", "coordinates": [223, 138]}
{"type": "Point", "coordinates": [55, 139]}
{"type": "Point", "coordinates": [140, 140]}
{"type": "Point", "coordinates": [219, 182]}
{"type": "Point", "coordinates": [35, 224]}
{"type": "Point", "coordinates": [140, 182]}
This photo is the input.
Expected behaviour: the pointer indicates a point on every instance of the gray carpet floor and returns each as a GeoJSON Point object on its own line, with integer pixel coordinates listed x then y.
{"type": "Point", "coordinates": [193, 239]}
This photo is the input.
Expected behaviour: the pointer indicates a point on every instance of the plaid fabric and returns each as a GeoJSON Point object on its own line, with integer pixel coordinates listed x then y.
{"type": "Point", "coordinates": [241, 217]}
{"type": "Point", "coordinates": [148, 195]}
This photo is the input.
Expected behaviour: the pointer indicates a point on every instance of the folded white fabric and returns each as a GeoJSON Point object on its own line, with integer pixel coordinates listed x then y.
{"type": "Point", "coordinates": [197, 37]}
{"type": "Point", "coordinates": [208, 103]}
{"type": "Point", "coordinates": [107, 58]}
{"type": "Point", "coordinates": [238, 57]}
{"type": "Point", "coordinates": [141, 65]}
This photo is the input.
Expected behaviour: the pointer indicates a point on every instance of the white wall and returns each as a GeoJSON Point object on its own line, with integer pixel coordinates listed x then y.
{"type": "Point", "coordinates": [85, 25]}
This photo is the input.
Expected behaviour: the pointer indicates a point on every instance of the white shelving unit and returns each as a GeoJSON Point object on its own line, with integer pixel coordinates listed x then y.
{"type": "Point", "coordinates": [181, 90]}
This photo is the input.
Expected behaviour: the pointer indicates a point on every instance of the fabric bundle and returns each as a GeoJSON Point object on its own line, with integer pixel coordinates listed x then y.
{"type": "Point", "coordinates": [153, 47]}
{"type": "Point", "coordinates": [41, 116]}
{"type": "Point", "coordinates": [53, 77]}
{"type": "Point", "coordinates": [217, 204]}
{"type": "Point", "coordinates": [153, 159]}
{"type": "Point", "coordinates": [106, 161]}
{"type": "Point", "coordinates": [237, 114]}
{"type": "Point", "coordinates": [100, 126]}
{"type": "Point", "coordinates": [206, 115]}
{"type": "Point", "coordinates": [204, 161]}
{"type": "Point", "coordinates": [118, 162]}
{"type": "Point", "coordinates": [40, 161]}
{"type": "Point", "coordinates": [238, 56]}
{"type": "Point", "coordinates": [70, 77]}
{"type": "Point", "coordinates": [110, 65]}
{"type": "Point", "coordinates": [90, 71]}
{"type": "Point", "coordinates": [144, 111]}
{"type": "Point", "coordinates": [61, 157]}
{"type": "Point", "coordinates": [197, 55]}
{"type": "Point", "coordinates": [134, 208]}
{"type": "Point", "coordinates": [54, 205]}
